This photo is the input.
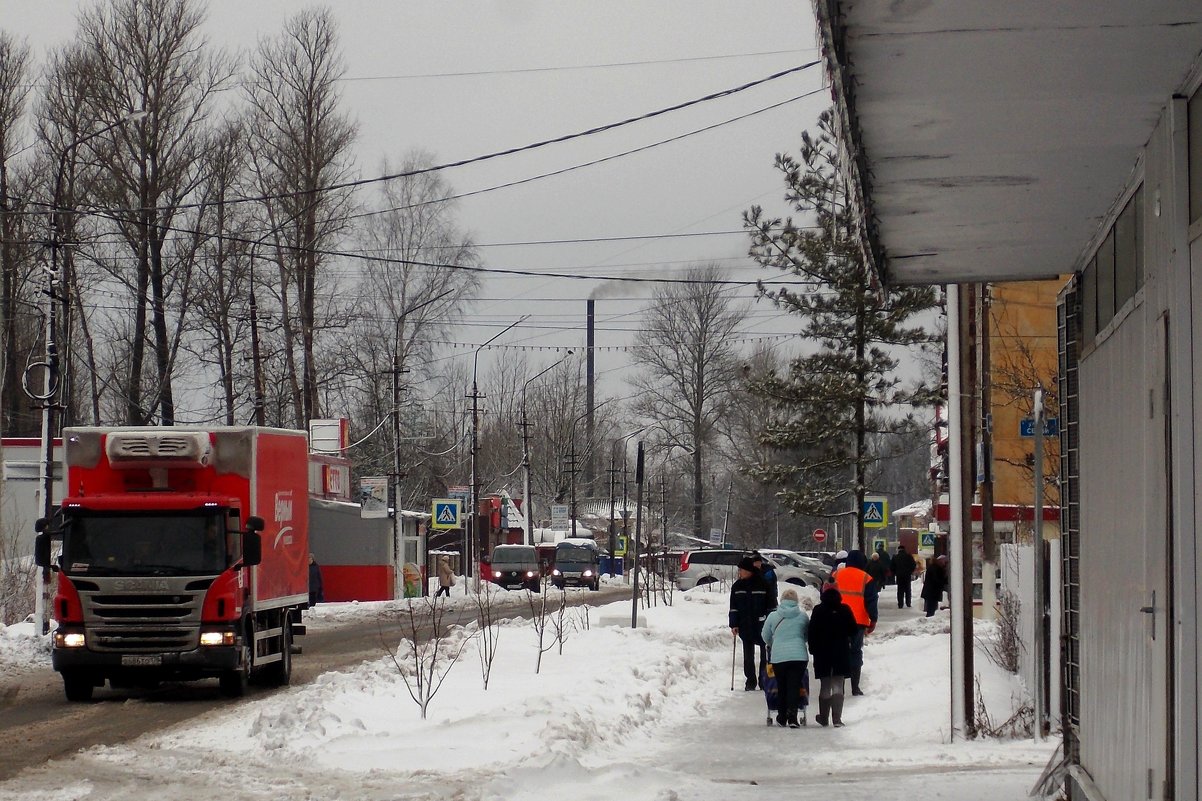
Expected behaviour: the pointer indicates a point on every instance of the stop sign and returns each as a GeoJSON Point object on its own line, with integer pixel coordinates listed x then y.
{"type": "Point", "coordinates": [819, 535]}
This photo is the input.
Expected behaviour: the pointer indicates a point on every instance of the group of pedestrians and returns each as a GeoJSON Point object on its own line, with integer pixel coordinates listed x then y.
{"type": "Point", "coordinates": [833, 635]}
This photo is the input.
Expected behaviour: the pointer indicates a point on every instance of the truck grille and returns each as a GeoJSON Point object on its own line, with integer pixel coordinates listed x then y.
{"type": "Point", "coordinates": [134, 622]}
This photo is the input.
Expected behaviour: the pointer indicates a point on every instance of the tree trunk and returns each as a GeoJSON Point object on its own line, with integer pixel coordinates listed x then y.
{"type": "Point", "coordinates": [162, 356]}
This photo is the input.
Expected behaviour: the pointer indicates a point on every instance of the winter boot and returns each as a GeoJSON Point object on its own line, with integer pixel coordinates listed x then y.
{"type": "Point", "coordinates": [855, 681]}
{"type": "Point", "coordinates": [824, 710]}
{"type": "Point", "coordinates": [836, 710]}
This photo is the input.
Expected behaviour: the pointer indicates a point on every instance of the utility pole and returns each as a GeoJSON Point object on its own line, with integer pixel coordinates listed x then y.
{"type": "Point", "coordinates": [730, 488]}
{"type": "Point", "coordinates": [1040, 650]}
{"type": "Point", "coordinates": [638, 530]}
{"type": "Point", "coordinates": [612, 527]}
{"type": "Point", "coordinates": [989, 549]}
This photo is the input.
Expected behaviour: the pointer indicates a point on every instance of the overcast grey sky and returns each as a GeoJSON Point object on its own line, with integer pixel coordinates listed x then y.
{"type": "Point", "coordinates": [460, 79]}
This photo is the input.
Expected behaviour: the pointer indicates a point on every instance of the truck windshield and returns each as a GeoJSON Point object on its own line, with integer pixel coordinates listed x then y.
{"type": "Point", "coordinates": [575, 555]}
{"type": "Point", "coordinates": [146, 545]}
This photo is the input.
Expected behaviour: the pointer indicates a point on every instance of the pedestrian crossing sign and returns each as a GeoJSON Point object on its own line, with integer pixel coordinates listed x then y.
{"type": "Point", "coordinates": [926, 540]}
{"type": "Point", "coordinates": [875, 512]}
{"type": "Point", "coordinates": [447, 513]}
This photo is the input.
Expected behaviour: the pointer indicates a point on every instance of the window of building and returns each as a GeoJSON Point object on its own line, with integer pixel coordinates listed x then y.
{"type": "Point", "coordinates": [1128, 262]}
{"type": "Point", "coordinates": [1194, 124]}
{"type": "Point", "coordinates": [1105, 282]}
{"type": "Point", "coordinates": [1089, 301]}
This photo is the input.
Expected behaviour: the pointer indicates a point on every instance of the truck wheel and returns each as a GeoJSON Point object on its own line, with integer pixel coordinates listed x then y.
{"type": "Point", "coordinates": [78, 686]}
{"type": "Point", "coordinates": [281, 672]}
{"type": "Point", "coordinates": [234, 682]}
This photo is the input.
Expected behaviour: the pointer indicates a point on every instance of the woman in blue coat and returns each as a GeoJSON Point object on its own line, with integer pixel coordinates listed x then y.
{"type": "Point", "coordinates": [785, 633]}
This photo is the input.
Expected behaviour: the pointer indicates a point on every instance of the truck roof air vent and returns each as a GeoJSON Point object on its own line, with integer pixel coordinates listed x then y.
{"type": "Point", "coordinates": [147, 449]}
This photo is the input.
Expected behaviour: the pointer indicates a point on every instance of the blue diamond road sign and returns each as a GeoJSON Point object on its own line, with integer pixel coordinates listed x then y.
{"type": "Point", "coordinates": [446, 513]}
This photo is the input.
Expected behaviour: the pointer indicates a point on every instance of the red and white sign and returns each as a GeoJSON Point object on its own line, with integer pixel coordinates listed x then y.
{"type": "Point", "coordinates": [819, 535]}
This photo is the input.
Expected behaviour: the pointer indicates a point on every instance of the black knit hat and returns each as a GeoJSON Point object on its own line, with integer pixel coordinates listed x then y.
{"type": "Point", "coordinates": [747, 563]}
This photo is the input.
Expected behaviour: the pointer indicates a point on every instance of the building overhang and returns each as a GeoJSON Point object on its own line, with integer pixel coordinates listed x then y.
{"type": "Point", "coordinates": [987, 141]}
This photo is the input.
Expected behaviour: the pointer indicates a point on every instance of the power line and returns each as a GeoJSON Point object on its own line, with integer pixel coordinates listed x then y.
{"type": "Point", "coordinates": [567, 67]}
{"type": "Point", "coordinates": [495, 154]}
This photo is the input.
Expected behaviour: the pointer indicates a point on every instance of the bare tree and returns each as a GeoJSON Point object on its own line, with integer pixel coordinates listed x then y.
{"type": "Point", "coordinates": [223, 268]}
{"type": "Point", "coordinates": [541, 616]}
{"type": "Point", "coordinates": [14, 83]}
{"type": "Point", "coordinates": [691, 367]}
{"type": "Point", "coordinates": [150, 55]}
{"type": "Point", "coordinates": [431, 646]}
{"type": "Point", "coordinates": [301, 145]}
{"type": "Point", "coordinates": [411, 293]}
{"type": "Point", "coordinates": [488, 629]}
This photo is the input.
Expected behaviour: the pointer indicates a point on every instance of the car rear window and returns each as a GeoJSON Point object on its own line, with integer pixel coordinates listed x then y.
{"type": "Point", "coordinates": [715, 557]}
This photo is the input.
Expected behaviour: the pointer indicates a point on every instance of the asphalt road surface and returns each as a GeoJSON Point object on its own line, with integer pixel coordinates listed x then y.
{"type": "Point", "coordinates": [38, 724]}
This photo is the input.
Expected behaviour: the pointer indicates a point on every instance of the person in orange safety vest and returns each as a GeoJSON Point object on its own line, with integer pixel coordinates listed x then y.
{"type": "Point", "coordinates": [860, 593]}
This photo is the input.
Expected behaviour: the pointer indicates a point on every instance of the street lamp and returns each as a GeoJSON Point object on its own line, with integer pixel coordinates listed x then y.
{"type": "Point", "coordinates": [469, 533]}
{"type": "Point", "coordinates": [529, 539]}
{"type": "Point", "coordinates": [51, 384]}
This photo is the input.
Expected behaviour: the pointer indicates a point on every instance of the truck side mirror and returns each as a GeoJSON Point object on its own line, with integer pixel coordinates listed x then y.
{"type": "Point", "coordinates": [252, 547]}
{"type": "Point", "coordinates": [41, 548]}
{"type": "Point", "coordinates": [254, 523]}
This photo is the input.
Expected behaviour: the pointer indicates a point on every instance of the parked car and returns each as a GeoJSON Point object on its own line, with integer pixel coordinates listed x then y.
{"type": "Point", "coordinates": [708, 566]}
{"type": "Point", "coordinates": [815, 569]}
{"type": "Point", "coordinates": [711, 565]}
{"type": "Point", "coordinates": [826, 557]}
{"type": "Point", "coordinates": [514, 567]}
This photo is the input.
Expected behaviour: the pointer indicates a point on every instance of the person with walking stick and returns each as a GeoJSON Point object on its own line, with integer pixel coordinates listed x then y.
{"type": "Point", "coordinates": [751, 599]}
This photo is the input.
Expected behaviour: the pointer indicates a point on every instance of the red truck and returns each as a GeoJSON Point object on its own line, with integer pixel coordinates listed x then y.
{"type": "Point", "coordinates": [184, 556]}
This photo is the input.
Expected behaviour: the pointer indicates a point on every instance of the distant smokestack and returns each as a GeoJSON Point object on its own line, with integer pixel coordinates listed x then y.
{"type": "Point", "coordinates": [590, 395]}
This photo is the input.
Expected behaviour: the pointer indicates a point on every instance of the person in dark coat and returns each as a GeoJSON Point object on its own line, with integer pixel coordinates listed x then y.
{"type": "Point", "coordinates": [934, 583]}
{"type": "Point", "coordinates": [903, 572]}
{"type": "Point", "coordinates": [767, 571]}
{"type": "Point", "coordinates": [316, 595]}
{"type": "Point", "coordinates": [751, 599]}
{"type": "Point", "coordinates": [877, 569]}
{"type": "Point", "coordinates": [886, 562]}
{"type": "Point", "coordinates": [832, 627]}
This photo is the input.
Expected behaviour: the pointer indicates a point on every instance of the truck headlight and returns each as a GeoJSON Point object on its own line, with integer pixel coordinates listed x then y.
{"type": "Point", "coordinates": [587, 573]}
{"type": "Point", "coordinates": [496, 574]}
{"type": "Point", "coordinates": [69, 639]}
{"type": "Point", "coordinates": [214, 638]}
{"type": "Point", "coordinates": [529, 574]}
{"type": "Point", "coordinates": [555, 572]}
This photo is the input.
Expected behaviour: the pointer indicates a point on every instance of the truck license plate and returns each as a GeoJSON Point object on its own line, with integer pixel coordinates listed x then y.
{"type": "Point", "coordinates": [141, 660]}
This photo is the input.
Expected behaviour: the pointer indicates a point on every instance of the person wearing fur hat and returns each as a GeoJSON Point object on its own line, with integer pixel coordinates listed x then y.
{"type": "Point", "coordinates": [859, 592]}
{"type": "Point", "coordinates": [784, 633]}
{"type": "Point", "coordinates": [446, 576]}
{"type": "Point", "coordinates": [832, 626]}
{"type": "Point", "coordinates": [751, 599]}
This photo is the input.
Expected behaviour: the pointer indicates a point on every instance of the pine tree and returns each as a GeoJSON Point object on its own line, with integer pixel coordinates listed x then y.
{"type": "Point", "coordinates": [842, 407]}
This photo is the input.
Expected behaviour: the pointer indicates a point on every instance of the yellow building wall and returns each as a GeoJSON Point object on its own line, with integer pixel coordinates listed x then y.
{"type": "Point", "coordinates": [1022, 329]}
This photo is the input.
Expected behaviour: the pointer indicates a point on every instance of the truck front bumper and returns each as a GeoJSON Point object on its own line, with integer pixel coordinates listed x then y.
{"type": "Point", "coordinates": [201, 662]}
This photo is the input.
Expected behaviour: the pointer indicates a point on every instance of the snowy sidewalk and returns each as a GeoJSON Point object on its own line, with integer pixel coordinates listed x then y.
{"type": "Point", "coordinates": [639, 715]}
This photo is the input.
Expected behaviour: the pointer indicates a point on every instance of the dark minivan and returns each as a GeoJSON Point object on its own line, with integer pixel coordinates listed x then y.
{"type": "Point", "coordinates": [514, 567]}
